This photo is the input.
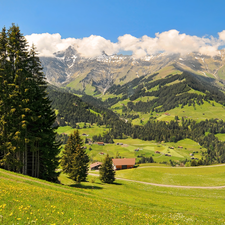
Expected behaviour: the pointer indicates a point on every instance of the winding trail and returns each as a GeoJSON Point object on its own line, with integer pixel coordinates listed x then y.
{"type": "Point", "coordinates": [168, 185]}
{"type": "Point", "coordinates": [117, 178]}
{"type": "Point", "coordinates": [191, 167]}
{"type": "Point", "coordinates": [165, 185]}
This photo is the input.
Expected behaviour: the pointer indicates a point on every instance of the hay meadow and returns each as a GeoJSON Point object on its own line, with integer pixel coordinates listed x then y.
{"type": "Point", "coordinates": [26, 200]}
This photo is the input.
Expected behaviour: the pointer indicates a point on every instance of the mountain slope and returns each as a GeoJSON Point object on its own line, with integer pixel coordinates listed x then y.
{"type": "Point", "coordinates": [96, 75]}
{"type": "Point", "coordinates": [71, 109]}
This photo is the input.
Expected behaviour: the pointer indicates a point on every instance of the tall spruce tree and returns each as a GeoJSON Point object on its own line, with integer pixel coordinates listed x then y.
{"type": "Point", "coordinates": [4, 110]}
{"type": "Point", "coordinates": [27, 138]}
{"type": "Point", "coordinates": [75, 159]}
{"type": "Point", "coordinates": [106, 171]}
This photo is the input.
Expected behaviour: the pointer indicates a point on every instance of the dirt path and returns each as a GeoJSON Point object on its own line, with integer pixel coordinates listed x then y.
{"type": "Point", "coordinates": [142, 182]}
{"type": "Point", "coordinates": [165, 185]}
{"type": "Point", "coordinates": [191, 167]}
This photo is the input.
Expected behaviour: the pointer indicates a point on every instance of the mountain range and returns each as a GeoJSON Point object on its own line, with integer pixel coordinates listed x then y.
{"type": "Point", "coordinates": [95, 76]}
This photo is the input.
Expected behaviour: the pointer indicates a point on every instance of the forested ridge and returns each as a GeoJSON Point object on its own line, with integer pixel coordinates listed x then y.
{"type": "Point", "coordinates": [72, 109]}
{"type": "Point", "coordinates": [168, 96]}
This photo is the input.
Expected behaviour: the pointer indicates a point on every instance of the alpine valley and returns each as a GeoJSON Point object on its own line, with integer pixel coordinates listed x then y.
{"type": "Point", "coordinates": [161, 98]}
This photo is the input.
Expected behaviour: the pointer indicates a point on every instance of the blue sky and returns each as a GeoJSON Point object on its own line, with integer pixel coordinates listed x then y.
{"type": "Point", "coordinates": [111, 19]}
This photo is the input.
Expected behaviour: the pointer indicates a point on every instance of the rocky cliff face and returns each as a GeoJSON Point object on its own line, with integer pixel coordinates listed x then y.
{"type": "Point", "coordinates": [70, 69]}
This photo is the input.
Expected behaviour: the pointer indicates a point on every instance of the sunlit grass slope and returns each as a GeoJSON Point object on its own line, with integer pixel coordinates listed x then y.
{"type": "Point", "coordinates": [185, 176]}
{"type": "Point", "coordinates": [94, 130]}
{"type": "Point", "coordinates": [24, 200]}
{"type": "Point", "coordinates": [198, 113]}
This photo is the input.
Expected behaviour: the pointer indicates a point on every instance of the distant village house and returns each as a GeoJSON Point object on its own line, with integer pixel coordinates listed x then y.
{"type": "Point", "coordinates": [95, 166]}
{"type": "Point", "coordinates": [100, 143]}
{"type": "Point", "coordinates": [119, 164]}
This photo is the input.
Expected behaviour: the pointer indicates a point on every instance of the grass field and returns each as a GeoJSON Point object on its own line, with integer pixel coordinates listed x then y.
{"type": "Point", "coordinates": [185, 176]}
{"type": "Point", "coordinates": [25, 200]}
{"type": "Point", "coordinates": [199, 113]}
{"type": "Point", "coordinates": [147, 149]}
{"type": "Point", "coordinates": [127, 149]}
{"type": "Point", "coordinates": [221, 137]}
{"type": "Point", "coordinates": [202, 112]}
{"type": "Point", "coordinates": [94, 130]}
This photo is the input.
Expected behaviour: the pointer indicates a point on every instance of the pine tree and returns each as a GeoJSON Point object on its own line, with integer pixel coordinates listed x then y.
{"type": "Point", "coordinates": [107, 173]}
{"type": "Point", "coordinates": [75, 159]}
{"type": "Point", "coordinates": [40, 130]}
{"type": "Point", "coordinates": [27, 137]}
{"type": "Point", "coordinates": [5, 145]}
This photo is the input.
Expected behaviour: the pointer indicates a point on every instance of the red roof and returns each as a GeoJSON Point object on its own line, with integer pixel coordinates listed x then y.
{"type": "Point", "coordinates": [95, 164]}
{"type": "Point", "coordinates": [121, 162]}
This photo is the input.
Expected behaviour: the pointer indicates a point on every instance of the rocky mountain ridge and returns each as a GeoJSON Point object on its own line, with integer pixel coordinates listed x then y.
{"type": "Point", "coordinates": [91, 75]}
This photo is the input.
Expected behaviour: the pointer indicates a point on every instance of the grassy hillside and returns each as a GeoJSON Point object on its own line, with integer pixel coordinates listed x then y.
{"type": "Point", "coordinates": [94, 130]}
{"type": "Point", "coordinates": [25, 200]}
{"type": "Point", "coordinates": [198, 113]}
{"type": "Point", "coordinates": [147, 149]}
{"type": "Point", "coordinates": [180, 95]}
{"type": "Point", "coordinates": [184, 176]}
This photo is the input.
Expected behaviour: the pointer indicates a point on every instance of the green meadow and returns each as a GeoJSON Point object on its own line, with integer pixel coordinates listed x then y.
{"type": "Point", "coordinates": [94, 130]}
{"type": "Point", "coordinates": [198, 113]}
{"type": "Point", "coordinates": [26, 200]}
{"type": "Point", "coordinates": [221, 137]}
{"type": "Point", "coordinates": [184, 176]}
{"type": "Point", "coordinates": [126, 149]}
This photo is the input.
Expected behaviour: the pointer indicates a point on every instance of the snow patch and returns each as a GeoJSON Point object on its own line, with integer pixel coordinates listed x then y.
{"type": "Point", "coordinates": [74, 59]}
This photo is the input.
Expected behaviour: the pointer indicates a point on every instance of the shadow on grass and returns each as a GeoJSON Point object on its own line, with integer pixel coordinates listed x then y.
{"type": "Point", "coordinates": [85, 186]}
{"type": "Point", "coordinates": [116, 183]}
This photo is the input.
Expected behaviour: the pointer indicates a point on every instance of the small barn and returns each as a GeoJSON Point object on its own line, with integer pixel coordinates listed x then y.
{"type": "Point", "coordinates": [95, 166]}
{"type": "Point", "coordinates": [119, 164]}
{"type": "Point", "coordinates": [100, 143]}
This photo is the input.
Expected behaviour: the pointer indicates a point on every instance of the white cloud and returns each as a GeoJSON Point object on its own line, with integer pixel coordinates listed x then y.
{"type": "Point", "coordinates": [222, 35]}
{"type": "Point", "coordinates": [47, 43]}
{"type": "Point", "coordinates": [169, 42]}
{"type": "Point", "coordinates": [94, 46]}
{"type": "Point", "coordinates": [209, 50]}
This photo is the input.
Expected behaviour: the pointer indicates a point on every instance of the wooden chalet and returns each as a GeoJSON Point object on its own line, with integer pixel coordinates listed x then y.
{"type": "Point", "coordinates": [119, 164]}
{"type": "Point", "coordinates": [95, 166]}
{"type": "Point", "coordinates": [100, 143]}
